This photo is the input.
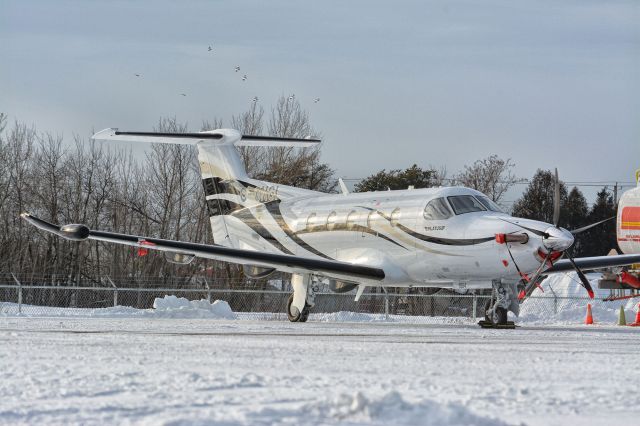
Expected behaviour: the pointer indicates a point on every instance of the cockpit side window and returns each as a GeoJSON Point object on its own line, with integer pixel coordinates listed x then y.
{"type": "Point", "coordinates": [489, 204]}
{"type": "Point", "coordinates": [437, 209]}
{"type": "Point", "coordinates": [465, 204]}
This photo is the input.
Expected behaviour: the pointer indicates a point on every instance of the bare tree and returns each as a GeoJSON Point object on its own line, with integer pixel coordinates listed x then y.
{"type": "Point", "coordinates": [491, 176]}
{"type": "Point", "coordinates": [160, 195]}
{"type": "Point", "coordinates": [211, 125]}
{"type": "Point", "coordinates": [295, 166]}
{"type": "Point", "coordinates": [251, 123]}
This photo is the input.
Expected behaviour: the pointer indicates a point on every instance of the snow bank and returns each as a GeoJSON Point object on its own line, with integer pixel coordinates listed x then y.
{"type": "Point", "coordinates": [165, 307]}
{"type": "Point", "coordinates": [388, 409]}
{"type": "Point", "coordinates": [179, 307]}
{"type": "Point", "coordinates": [571, 303]}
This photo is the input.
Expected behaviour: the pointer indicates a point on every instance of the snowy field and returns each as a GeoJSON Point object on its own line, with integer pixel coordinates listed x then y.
{"type": "Point", "coordinates": [198, 363]}
{"type": "Point", "coordinates": [235, 372]}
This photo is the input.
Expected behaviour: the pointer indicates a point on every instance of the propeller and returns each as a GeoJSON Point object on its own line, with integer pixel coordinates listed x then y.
{"type": "Point", "coordinates": [558, 239]}
{"type": "Point", "coordinates": [583, 279]}
{"type": "Point", "coordinates": [585, 228]}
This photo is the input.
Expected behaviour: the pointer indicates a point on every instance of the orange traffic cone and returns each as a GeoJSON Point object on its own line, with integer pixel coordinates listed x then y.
{"type": "Point", "coordinates": [637, 322]}
{"type": "Point", "coordinates": [589, 319]}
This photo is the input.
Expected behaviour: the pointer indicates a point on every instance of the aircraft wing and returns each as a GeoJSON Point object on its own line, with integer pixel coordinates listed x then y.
{"type": "Point", "coordinates": [283, 262]}
{"type": "Point", "coordinates": [590, 263]}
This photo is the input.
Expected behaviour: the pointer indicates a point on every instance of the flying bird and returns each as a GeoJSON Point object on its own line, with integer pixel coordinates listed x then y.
{"type": "Point", "coordinates": [237, 68]}
{"type": "Point", "coordinates": [316, 100]}
{"type": "Point", "coordinates": [255, 99]}
{"type": "Point", "coordinates": [137, 75]}
{"type": "Point", "coordinates": [244, 77]}
{"type": "Point", "coordinates": [210, 49]}
{"type": "Point", "coordinates": [182, 94]}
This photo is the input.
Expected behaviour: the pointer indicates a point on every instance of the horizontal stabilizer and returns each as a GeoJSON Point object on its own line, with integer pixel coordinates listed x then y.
{"type": "Point", "coordinates": [221, 135]}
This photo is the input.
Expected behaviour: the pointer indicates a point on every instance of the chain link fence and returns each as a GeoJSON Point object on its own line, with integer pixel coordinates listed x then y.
{"type": "Point", "coordinates": [47, 297]}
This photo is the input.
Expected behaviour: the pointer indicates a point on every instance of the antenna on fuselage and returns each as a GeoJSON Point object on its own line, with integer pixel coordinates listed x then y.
{"type": "Point", "coordinates": [343, 187]}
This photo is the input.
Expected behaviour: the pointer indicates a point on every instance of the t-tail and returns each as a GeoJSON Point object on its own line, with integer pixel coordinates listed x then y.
{"type": "Point", "coordinates": [233, 198]}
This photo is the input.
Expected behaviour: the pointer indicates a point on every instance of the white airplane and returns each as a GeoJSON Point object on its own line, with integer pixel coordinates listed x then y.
{"type": "Point", "coordinates": [450, 237]}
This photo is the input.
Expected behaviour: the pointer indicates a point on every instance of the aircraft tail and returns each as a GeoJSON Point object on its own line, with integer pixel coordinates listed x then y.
{"type": "Point", "coordinates": [227, 187]}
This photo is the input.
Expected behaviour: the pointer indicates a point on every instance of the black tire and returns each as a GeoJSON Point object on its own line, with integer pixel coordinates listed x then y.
{"type": "Point", "coordinates": [294, 318]}
{"type": "Point", "coordinates": [305, 314]}
{"type": "Point", "coordinates": [500, 316]}
{"type": "Point", "coordinates": [487, 306]}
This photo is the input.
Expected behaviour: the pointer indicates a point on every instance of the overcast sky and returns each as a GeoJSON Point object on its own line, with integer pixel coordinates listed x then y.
{"type": "Point", "coordinates": [441, 83]}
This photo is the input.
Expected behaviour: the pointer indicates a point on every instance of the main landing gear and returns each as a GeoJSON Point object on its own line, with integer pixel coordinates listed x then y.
{"type": "Point", "coordinates": [503, 299]}
{"type": "Point", "coordinates": [302, 299]}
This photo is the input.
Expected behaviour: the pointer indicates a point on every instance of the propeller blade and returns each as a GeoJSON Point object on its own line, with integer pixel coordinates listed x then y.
{"type": "Point", "coordinates": [584, 228]}
{"type": "Point", "coordinates": [556, 201]}
{"type": "Point", "coordinates": [532, 230]}
{"type": "Point", "coordinates": [583, 278]}
{"type": "Point", "coordinates": [533, 280]}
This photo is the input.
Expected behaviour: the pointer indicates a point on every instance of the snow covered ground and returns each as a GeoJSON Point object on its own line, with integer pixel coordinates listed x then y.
{"type": "Point", "coordinates": [200, 363]}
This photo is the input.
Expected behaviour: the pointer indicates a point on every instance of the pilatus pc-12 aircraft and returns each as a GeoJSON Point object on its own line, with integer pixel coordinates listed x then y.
{"type": "Point", "coordinates": [451, 237]}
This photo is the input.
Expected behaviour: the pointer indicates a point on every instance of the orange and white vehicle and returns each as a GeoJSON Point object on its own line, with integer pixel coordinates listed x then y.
{"type": "Point", "coordinates": [628, 236]}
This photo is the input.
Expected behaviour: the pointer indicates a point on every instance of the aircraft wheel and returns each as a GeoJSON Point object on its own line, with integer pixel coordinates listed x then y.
{"type": "Point", "coordinates": [292, 312]}
{"type": "Point", "coordinates": [487, 307]}
{"type": "Point", "coordinates": [305, 313]}
{"type": "Point", "coordinates": [500, 316]}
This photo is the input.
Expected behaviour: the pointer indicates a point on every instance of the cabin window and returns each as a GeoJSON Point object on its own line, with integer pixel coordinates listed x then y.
{"type": "Point", "coordinates": [311, 221]}
{"type": "Point", "coordinates": [437, 209]}
{"type": "Point", "coordinates": [465, 204]}
{"type": "Point", "coordinates": [331, 221]}
{"type": "Point", "coordinates": [352, 219]}
{"type": "Point", "coordinates": [395, 217]}
{"type": "Point", "coordinates": [371, 218]}
{"type": "Point", "coordinates": [489, 204]}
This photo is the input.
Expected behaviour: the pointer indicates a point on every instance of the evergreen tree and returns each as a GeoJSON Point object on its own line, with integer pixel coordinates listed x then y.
{"type": "Point", "coordinates": [398, 179]}
{"type": "Point", "coordinates": [576, 211]}
{"type": "Point", "coordinates": [537, 200]}
{"type": "Point", "coordinates": [602, 238]}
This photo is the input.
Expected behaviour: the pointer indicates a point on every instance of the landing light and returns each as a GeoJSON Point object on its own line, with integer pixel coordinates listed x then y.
{"type": "Point", "coordinates": [512, 238]}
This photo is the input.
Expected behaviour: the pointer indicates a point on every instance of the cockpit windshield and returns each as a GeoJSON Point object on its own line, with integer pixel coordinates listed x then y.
{"type": "Point", "coordinates": [437, 209]}
{"type": "Point", "coordinates": [465, 204]}
{"type": "Point", "coordinates": [489, 204]}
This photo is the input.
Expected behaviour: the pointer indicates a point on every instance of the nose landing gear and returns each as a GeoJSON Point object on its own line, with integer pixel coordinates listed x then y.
{"type": "Point", "coordinates": [503, 299]}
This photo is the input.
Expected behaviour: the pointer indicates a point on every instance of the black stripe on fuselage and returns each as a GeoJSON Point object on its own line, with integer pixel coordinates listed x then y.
{"type": "Point", "coordinates": [217, 206]}
{"type": "Point", "coordinates": [244, 215]}
{"type": "Point", "coordinates": [445, 241]}
{"type": "Point", "coordinates": [273, 208]}
{"type": "Point", "coordinates": [252, 222]}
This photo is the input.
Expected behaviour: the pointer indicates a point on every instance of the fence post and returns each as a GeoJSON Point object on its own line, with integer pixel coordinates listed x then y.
{"type": "Point", "coordinates": [555, 301]}
{"type": "Point", "coordinates": [206, 285]}
{"type": "Point", "coordinates": [475, 306]}
{"type": "Point", "coordinates": [115, 291]}
{"type": "Point", "coordinates": [19, 293]}
{"type": "Point", "coordinates": [386, 304]}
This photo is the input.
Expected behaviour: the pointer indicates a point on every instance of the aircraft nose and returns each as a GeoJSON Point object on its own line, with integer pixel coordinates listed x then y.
{"type": "Point", "coordinates": [558, 239]}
